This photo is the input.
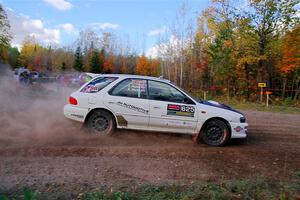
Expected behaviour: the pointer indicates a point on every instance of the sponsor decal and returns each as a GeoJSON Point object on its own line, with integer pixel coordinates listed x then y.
{"type": "Point", "coordinates": [180, 110]}
{"type": "Point", "coordinates": [138, 85]}
{"type": "Point", "coordinates": [132, 107]}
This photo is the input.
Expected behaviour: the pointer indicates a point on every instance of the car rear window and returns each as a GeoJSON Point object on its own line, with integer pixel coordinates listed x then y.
{"type": "Point", "coordinates": [97, 84]}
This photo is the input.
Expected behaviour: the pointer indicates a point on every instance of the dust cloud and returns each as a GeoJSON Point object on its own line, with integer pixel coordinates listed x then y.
{"type": "Point", "coordinates": [32, 115]}
{"type": "Point", "coordinates": [29, 114]}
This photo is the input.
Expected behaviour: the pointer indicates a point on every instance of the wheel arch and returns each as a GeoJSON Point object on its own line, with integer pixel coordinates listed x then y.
{"type": "Point", "coordinates": [100, 109]}
{"type": "Point", "coordinates": [211, 119]}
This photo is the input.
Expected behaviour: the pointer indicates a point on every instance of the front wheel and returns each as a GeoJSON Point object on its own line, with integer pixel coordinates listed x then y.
{"type": "Point", "coordinates": [215, 133]}
{"type": "Point", "coordinates": [101, 122]}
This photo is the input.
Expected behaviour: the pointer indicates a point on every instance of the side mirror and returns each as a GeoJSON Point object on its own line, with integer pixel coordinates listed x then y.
{"type": "Point", "coordinates": [186, 100]}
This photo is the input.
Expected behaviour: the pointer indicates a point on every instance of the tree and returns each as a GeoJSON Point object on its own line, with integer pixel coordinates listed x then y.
{"type": "Point", "coordinates": [78, 66]}
{"type": "Point", "coordinates": [145, 66]}
{"type": "Point", "coordinates": [154, 66]}
{"type": "Point", "coordinates": [28, 52]}
{"type": "Point", "coordinates": [63, 66]}
{"type": "Point", "coordinates": [95, 65]}
{"type": "Point", "coordinates": [108, 64]}
{"type": "Point", "coordinates": [142, 65]}
{"type": "Point", "coordinates": [219, 43]}
{"type": "Point", "coordinates": [246, 56]}
{"type": "Point", "coordinates": [5, 35]}
{"type": "Point", "coordinates": [270, 19]}
{"type": "Point", "coordinates": [289, 63]}
{"type": "Point", "coordinates": [291, 51]}
{"type": "Point", "coordinates": [62, 59]}
{"type": "Point", "coordinates": [13, 57]}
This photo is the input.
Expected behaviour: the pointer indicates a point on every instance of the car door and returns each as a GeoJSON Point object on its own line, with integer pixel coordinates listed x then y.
{"type": "Point", "coordinates": [170, 109]}
{"type": "Point", "coordinates": [128, 100]}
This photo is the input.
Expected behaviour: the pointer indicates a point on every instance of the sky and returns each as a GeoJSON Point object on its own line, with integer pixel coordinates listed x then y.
{"type": "Point", "coordinates": [58, 22]}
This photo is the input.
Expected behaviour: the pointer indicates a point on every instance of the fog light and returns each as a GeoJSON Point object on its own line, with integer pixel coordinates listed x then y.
{"type": "Point", "coordinates": [238, 129]}
{"type": "Point", "coordinates": [242, 119]}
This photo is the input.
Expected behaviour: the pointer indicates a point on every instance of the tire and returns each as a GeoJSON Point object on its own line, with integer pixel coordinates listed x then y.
{"type": "Point", "coordinates": [101, 123]}
{"type": "Point", "coordinates": [215, 133]}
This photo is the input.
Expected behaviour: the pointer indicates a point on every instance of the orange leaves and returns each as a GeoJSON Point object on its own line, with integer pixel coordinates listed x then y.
{"type": "Point", "coordinates": [290, 51]}
{"type": "Point", "coordinates": [145, 66]}
{"type": "Point", "coordinates": [154, 65]}
{"type": "Point", "coordinates": [108, 64]}
{"type": "Point", "coordinates": [227, 43]}
{"type": "Point", "coordinates": [142, 65]}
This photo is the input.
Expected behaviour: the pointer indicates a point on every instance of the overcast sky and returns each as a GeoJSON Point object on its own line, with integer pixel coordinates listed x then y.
{"type": "Point", "coordinates": [58, 21]}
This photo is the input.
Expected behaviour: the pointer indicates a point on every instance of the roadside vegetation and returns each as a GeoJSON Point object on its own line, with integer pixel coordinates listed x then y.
{"type": "Point", "coordinates": [227, 48]}
{"type": "Point", "coordinates": [278, 108]}
{"type": "Point", "coordinates": [243, 189]}
{"type": "Point", "coordinates": [230, 190]}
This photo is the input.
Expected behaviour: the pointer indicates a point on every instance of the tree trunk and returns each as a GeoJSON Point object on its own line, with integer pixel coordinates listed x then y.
{"type": "Point", "coordinates": [297, 93]}
{"type": "Point", "coordinates": [292, 90]}
{"type": "Point", "coordinates": [247, 81]}
{"type": "Point", "coordinates": [283, 89]}
{"type": "Point", "coordinates": [181, 71]}
{"type": "Point", "coordinates": [228, 89]}
{"type": "Point", "coordinates": [176, 73]}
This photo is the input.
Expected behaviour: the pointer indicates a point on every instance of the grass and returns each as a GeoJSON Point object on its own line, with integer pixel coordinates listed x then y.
{"type": "Point", "coordinates": [243, 189]}
{"type": "Point", "coordinates": [240, 105]}
{"type": "Point", "coordinates": [276, 105]}
{"type": "Point", "coordinates": [28, 194]}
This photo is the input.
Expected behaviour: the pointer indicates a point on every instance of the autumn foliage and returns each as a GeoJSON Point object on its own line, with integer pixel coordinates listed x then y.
{"type": "Point", "coordinates": [146, 66]}
{"type": "Point", "coordinates": [290, 51]}
{"type": "Point", "coordinates": [227, 52]}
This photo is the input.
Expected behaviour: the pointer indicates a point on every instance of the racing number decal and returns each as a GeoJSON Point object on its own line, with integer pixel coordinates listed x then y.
{"type": "Point", "coordinates": [181, 110]}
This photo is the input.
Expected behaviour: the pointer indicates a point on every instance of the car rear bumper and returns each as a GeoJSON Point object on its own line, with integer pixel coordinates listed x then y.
{"type": "Point", "coordinates": [239, 130]}
{"type": "Point", "coordinates": [75, 113]}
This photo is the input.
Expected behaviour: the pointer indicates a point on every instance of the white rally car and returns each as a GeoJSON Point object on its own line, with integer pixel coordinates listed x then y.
{"type": "Point", "coordinates": [154, 104]}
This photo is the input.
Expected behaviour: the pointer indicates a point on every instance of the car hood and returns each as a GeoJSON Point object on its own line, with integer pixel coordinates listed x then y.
{"type": "Point", "coordinates": [218, 105]}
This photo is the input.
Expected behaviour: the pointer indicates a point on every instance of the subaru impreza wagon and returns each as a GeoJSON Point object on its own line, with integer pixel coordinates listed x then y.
{"type": "Point", "coordinates": [135, 102]}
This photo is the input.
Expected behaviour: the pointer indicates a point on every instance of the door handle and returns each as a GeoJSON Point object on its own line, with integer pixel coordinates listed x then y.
{"type": "Point", "coordinates": [111, 102]}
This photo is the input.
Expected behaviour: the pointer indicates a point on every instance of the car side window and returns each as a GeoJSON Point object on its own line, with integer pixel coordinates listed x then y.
{"type": "Point", "coordinates": [97, 84]}
{"type": "Point", "coordinates": [136, 88]}
{"type": "Point", "coordinates": [165, 92]}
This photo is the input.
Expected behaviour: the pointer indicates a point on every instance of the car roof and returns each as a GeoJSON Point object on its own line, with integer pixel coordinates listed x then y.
{"type": "Point", "coordinates": [137, 76]}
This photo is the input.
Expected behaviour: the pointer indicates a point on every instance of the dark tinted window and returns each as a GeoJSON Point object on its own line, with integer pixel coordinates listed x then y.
{"type": "Point", "coordinates": [165, 92]}
{"type": "Point", "coordinates": [136, 88]}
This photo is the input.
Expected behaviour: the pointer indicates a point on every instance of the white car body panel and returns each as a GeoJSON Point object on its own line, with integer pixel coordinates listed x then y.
{"type": "Point", "coordinates": [151, 115]}
{"type": "Point", "coordinates": [136, 118]}
{"type": "Point", "coordinates": [159, 119]}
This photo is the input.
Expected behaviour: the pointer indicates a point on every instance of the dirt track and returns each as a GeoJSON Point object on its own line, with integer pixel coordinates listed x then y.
{"type": "Point", "coordinates": [61, 155]}
{"type": "Point", "coordinates": [78, 160]}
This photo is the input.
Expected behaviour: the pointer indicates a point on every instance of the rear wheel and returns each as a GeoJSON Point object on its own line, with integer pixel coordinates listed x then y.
{"type": "Point", "coordinates": [101, 122]}
{"type": "Point", "coordinates": [215, 133]}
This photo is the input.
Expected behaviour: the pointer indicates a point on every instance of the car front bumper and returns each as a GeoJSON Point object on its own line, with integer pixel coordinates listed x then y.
{"type": "Point", "coordinates": [239, 130]}
{"type": "Point", "coordinates": [75, 113]}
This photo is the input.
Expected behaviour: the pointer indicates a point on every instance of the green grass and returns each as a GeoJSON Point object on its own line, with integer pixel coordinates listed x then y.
{"type": "Point", "coordinates": [276, 104]}
{"type": "Point", "coordinates": [257, 189]}
{"type": "Point", "coordinates": [244, 189]}
{"type": "Point", "coordinates": [261, 107]}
